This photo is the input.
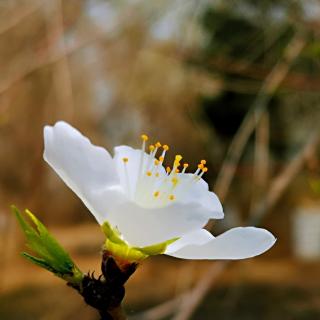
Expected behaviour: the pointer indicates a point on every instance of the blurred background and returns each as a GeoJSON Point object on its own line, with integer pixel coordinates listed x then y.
{"type": "Point", "coordinates": [236, 82]}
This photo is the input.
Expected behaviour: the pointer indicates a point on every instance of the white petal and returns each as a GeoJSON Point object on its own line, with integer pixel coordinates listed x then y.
{"type": "Point", "coordinates": [237, 243]}
{"type": "Point", "coordinates": [85, 168]}
{"type": "Point", "coordinates": [102, 201]}
{"type": "Point", "coordinates": [191, 190]}
{"type": "Point", "coordinates": [143, 226]}
{"type": "Point", "coordinates": [197, 237]}
{"type": "Point", "coordinates": [132, 166]}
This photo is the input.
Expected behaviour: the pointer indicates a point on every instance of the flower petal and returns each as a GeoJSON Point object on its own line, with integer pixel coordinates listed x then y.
{"type": "Point", "coordinates": [191, 190]}
{"type": "Point", "coordinates": [85, 168]}
{"type": "Point", "coordinates": [146, 226]}
{"type": "Point", "coordinates": [197, 237]}
{"type": "Point", "coordinates": [237, 243]}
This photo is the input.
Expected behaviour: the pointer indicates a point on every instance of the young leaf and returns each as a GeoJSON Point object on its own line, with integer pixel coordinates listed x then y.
{"type": "Point", "coordinates": [50, 254]}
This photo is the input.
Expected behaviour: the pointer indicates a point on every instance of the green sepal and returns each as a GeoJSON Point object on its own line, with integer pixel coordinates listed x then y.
{"type": "Point", "coordinates": [50, 254]}
{"type": "Point", "coordinates": [121, 249]}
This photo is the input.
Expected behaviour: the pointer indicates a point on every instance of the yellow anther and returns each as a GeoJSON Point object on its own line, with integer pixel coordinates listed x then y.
{"type": "Point", "coordinates": [149, 173]}
{"type": "Point", "coordinates": [156, 162]}
{"type": "Point", "coordinates": [177, 170]}
{"type": "Point", "coordinates": [200, 166]}
{"type": "Point", "coordinates": [171, 197]}
{"type": "Point", "coordinates": [177, 160]}
{"type": "Point", "coordinates": [168, 169]}
{"type": "Point", "coordinates": [165, 147]}
{"type": "Point", "coordinates": [203, 161]}
{"type": "Point", "coordinates": [125, 160]}
{"type": "Point", "coordinates": [158, 144]}
{"type": "Point", "coordinates": [151, 147]}
{"type": "Point", "coordinates": [157, 174]}
{"type": "Point", "coordinates": [144, 137]}
{"type": "Point", "coordinates": [205, 169]}
{"type": "Point", "coordinates": [174, 181]}
{"type": "Point", "coordinates": [186, 165]}
{"type": "Point", "coordinates": [156, 194]}
{"type": "Point", "coordinates": [161, 159]}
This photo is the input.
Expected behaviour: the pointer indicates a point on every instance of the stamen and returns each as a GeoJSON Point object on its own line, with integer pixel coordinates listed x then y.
{"type": "Point", "coordinates": [125, 161]}
{"type": "Point", "coordinates": [158, 144]}
{"type": "Point", "coordinates": [171, 197]}
{"type": "Point", "coordinates": [168, 169]}
{"type": "Point", "coordinates": [203, 162]}
{"type": "Point", "coordinates": [185, 166]}
{"type": "Point", "coordinates": [165, 149]}
{"type": "Point", "coordinates": [144, 137]}
{"type": "Point", "coordinates": [200, 167]}
{"type": "Point", "coordinates": [176, 163]}
{"type": "Point", "coordinates": [204, 170]}
{"type": "Point", "coordinates": [151, 148]}
{"type": "Point", "coordinates": [149, 173]}
{"type": "Point", "coordinates": [156, 194]}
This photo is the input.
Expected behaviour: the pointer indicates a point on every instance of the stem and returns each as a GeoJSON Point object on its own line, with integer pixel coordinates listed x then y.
{"type": "Point", "coordinates": [114, 314]}
{"type": "Point", "coordinates": [106, 292]}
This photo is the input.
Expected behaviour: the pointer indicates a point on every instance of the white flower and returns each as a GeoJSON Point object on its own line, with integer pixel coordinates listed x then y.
{"type": "Point", "coordinates": [147, 203]}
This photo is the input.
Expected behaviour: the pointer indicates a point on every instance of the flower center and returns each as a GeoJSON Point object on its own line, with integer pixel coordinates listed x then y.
{"type": "Point", "coordinates": [156, 186]}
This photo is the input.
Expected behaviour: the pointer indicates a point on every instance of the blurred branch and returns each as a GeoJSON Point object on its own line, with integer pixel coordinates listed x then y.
{"type": "Point", "coordinates": [162, 310]}
{"type": "Point", "coordinates": [193, 299]}
{"type": "Point", "coordinates": [19, 17]}
{"type": "Point", "coordinates": [29, 67]}
{"type": "Point", "coordinates": [293, 81]}
{"type": "Point", "coordinates": [189, 299]}
{"type": "Point", "coordinates": [280, 183]}
{"type": "Point", "coordinates": [261, 159]}
{"type": "Point", "coordinates": [269, 87]}
{"type": "Point", "coordinates": [61, 73]}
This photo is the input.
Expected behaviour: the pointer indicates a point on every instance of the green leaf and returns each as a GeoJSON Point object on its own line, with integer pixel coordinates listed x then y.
{"type": "Point", "coordinates": [120, 248]}
{"type": "Point", "coordinates": [50, 254]}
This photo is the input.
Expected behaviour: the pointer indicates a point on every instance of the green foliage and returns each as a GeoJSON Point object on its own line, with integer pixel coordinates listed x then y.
{"type": "Point", "coordinates": [120, 248]}
{"type": "Point", "coordinates": [50, 255]}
